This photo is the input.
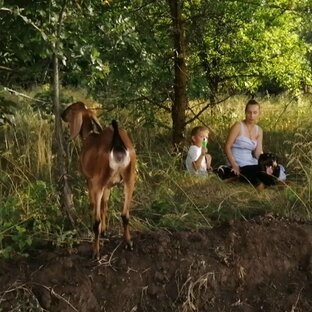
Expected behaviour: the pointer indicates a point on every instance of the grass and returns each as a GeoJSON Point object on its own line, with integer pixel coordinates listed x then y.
{"type": "Point", "coordinates": [165, 197]}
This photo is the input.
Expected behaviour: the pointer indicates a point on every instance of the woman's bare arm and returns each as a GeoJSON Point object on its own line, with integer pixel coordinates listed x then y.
{"type": "Point", "coordinates": [259, 148]}
{"type": "Point", "coordinates": [233, 134]}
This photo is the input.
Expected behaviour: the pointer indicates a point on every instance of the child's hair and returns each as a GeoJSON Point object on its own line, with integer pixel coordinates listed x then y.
{"type": "Point", "coordinates": [197, 130]}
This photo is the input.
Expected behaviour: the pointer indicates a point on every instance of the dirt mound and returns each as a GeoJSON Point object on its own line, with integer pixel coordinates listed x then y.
{"type": "Point", "coordinates": [260, 265]}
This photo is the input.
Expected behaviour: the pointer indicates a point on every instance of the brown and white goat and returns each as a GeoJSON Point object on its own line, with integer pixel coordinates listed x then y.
{"type": "Point", "coordinates": [107, 158]}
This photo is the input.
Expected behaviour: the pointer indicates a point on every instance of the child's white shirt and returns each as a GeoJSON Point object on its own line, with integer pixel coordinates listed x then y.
{"type": "Point", "coordinates": [192, 155]}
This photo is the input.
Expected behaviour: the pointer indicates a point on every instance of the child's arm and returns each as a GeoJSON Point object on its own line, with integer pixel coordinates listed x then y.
{"type": "Point", "coordinates": [197, 163]}
{"type": "Point", "coordinates": [208, 161]}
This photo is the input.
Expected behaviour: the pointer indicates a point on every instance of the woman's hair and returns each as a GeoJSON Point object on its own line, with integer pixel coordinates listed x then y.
{"type": "Point", "coordinates": [251, 102]}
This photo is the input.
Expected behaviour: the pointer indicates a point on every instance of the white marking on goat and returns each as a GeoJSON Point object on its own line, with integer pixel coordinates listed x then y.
{"type": "Point", "coordinates": [115, 165]}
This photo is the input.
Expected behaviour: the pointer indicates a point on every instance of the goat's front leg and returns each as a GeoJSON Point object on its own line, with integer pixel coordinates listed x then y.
{"type": "Point", "coordinates": [125, 215]}
{"type": "Point", "coordinates": [95, 199]}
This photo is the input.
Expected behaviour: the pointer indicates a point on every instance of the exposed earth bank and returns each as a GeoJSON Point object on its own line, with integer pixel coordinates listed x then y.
{"type": "Point", "coordinates": [261, 265]}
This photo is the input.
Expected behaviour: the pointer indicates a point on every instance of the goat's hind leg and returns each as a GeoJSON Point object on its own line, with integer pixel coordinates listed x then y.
{"type": "Point", "coordinates": [95, 199]}
{"type": "Point", "coordinates": [104, 209]}
{"type": "Point", "coordinates": [125, 215]}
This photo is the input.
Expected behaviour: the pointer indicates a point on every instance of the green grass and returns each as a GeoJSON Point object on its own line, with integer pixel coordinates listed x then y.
{"type": "Point", "coordinates": [165, 196]}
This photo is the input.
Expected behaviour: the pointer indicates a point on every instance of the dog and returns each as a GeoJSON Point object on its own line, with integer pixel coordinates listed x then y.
{"type": "Point", "coordinates": [268, 163]}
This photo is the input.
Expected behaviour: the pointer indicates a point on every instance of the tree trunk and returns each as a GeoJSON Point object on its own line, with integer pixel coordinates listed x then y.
{"type": "Point", "coordinates": [180, 100]}
{"type": "Point", "coordinates": [61, 170]}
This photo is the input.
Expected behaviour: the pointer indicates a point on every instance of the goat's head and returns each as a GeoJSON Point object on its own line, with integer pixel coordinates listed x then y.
{"type": "Point", "coordinates": [81, 120]}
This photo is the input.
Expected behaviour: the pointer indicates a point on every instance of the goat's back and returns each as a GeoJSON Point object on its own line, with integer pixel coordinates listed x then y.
{"type": "Point", "coordinates": [96, 150]}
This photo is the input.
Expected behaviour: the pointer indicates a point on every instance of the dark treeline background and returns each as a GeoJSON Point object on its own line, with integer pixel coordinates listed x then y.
{"type": "Point", "coordinates": [158, 55]}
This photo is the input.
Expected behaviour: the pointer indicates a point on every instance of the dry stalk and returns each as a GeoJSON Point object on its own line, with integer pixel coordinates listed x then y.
{"type": "Point", "coordinates": [143, 293]}
{"type": "Point", "coordinates": [293, 307]}
{"type": "Point", "coordinates": [193, 290]}
{"type": "Point", "coordinates": [58, 296]}
{"type": "Point", "coordinates": [104, 262]}
{"type": "Point", "coordinates": [16, 287]}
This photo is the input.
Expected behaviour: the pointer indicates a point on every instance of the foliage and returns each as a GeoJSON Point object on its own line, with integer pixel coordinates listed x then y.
{"type": "Point", "coordinates": [28, 51]}
{"type": "Point", "coordinates": [246, 47]}
{"type": "Point", "coordinates": [29, 217]}
{"type": "Point", "coordinates": [29, 203]}
{"type": "Point", "coordinates": [122, 51]}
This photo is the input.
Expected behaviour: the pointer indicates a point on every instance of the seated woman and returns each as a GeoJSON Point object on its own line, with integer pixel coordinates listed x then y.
{"type": "Point", "coordinates": [198, 161]}
{"type": "Point", "coordinates": [243, 148]}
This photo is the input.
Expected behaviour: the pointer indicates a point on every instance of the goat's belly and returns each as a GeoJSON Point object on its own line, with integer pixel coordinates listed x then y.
{"type": "Point", "coordinates": [115, 178]}
{"type": "Point", "coordinates": [96, 172]}
{"type": "Point", "coordinates": [94, 163]}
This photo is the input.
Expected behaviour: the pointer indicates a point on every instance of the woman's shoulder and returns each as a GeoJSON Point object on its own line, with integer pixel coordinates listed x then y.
{"type": "Point", "coordinates": [236, 126]}
{"type": "Point", "coordinates": [233, 133]}
{"type": "Point", "coordinates": [259, 129]}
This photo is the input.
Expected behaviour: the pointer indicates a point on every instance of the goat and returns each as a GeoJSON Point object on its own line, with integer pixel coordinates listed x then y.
{"type": "Point", "coordinates": [107, 157]}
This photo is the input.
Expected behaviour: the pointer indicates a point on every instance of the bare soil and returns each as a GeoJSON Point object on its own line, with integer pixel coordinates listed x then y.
{"type": "Point", "coordinates": [260, 265]}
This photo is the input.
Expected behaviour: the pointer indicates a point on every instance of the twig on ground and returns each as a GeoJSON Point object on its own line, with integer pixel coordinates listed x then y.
{"type": "Point", "coordinates": [58, 296]}
{"type": "Point", "coordinates": [110, 260]}
{"type": "Point", "coordinates": [293, 308]}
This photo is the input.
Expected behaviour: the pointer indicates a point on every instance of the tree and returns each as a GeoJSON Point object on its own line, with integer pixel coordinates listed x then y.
{"type": "Point", "coordinates": [246, 47]}
{"type": "Point", "coordinates": [66, 192]}
{"type": "Point", "coordinates": [229, 47]}
{"type": "Point", "coordinates": [180, 101]}
{"type": "Point", "coordinates": [149, 55]}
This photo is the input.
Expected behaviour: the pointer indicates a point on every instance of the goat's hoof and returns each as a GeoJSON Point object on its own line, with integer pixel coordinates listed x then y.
{"type": "Point", "coordinates": [106, 234]}
{"type": "Point", "coordinates": [129, 245]}
{"type": "Point", "coordinates": [95, 256]}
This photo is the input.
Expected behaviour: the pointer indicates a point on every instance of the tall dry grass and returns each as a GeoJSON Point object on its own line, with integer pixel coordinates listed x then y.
{"type": "Point", "coordinates": [166, 197]}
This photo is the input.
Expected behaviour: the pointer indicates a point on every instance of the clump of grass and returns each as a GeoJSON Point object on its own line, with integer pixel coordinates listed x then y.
{"type": "Point", "coordinates": [179, 201]}
{"type": "Point", "coordinates": [29, 144]}
{"type": "Point", "coordinates": [30, 207]}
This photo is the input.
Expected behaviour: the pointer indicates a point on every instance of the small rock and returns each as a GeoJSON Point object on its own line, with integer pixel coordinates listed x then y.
{"type": "Point", "coordinates": [159, 277]}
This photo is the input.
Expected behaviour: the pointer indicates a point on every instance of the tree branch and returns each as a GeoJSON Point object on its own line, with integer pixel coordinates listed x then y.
{"type": "Point", "coordinates": [26, 20]}
{"type": "Point", "coordinates": [196, 116]}
{"type": "Point", "coordinates": [5, 68]}
{"type": "Point", "coordinates": [167, 109]}
{"type": "Point", "coordinates": [23, 95]}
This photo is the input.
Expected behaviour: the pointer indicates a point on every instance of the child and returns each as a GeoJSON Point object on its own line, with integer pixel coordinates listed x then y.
{"type": "Point", "coordinates": [198, 161]}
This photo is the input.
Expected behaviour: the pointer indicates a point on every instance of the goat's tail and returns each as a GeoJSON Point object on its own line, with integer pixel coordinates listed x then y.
{"type": "Point", "coordinates": [119, 153]}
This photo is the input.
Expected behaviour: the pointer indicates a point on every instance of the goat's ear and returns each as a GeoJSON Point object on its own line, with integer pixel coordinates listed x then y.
{"type": "Point", "coordinates": [75, 123]}
{"type": "Point", "coordinates": [96, 123]}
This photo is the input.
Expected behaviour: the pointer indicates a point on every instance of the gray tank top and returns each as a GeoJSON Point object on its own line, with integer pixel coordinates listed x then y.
{"type": "Point", "coordinates": [243, 147]}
